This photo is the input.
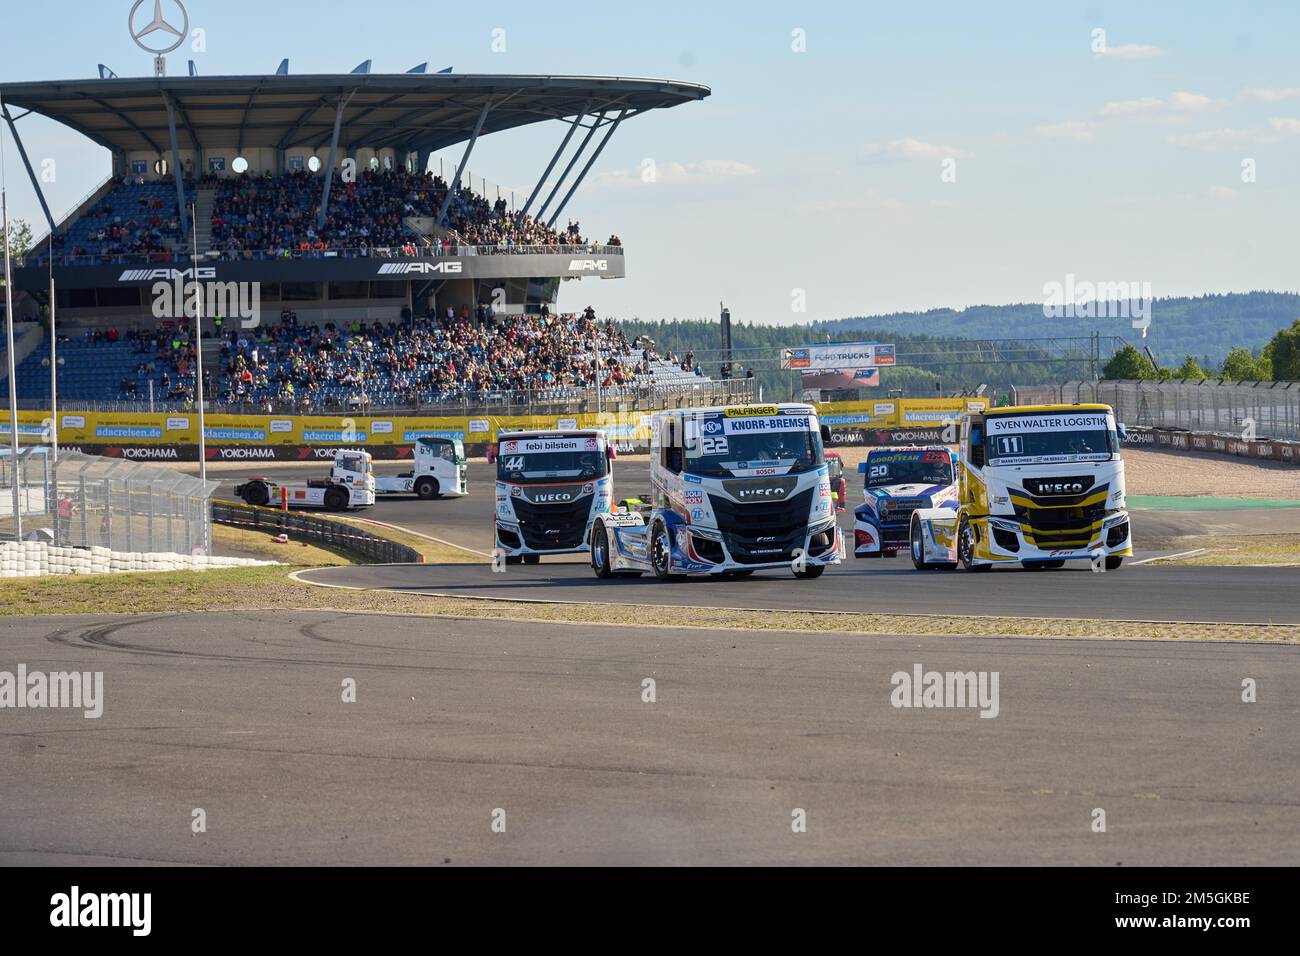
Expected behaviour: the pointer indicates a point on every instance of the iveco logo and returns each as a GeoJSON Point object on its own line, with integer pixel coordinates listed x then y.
{"type": "Point", "coordinates": [166, 275]}
{"type": "Point", "coordinates": [589, 265]}
{"type": "Point", "coordinates": [1060, 488]}
{"type": "Point", "coordinates": [553, 496]}
{"type": "Point", "coordinates": [404, 268]}
{"type": "Point", "coordinates": [774, 491]}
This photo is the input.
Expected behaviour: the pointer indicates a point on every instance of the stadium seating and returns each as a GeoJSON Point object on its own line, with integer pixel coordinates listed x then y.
{"type": "Point", "coordinates": [98, 370]}
{"type": "Point", "coordinates": [130, 223]}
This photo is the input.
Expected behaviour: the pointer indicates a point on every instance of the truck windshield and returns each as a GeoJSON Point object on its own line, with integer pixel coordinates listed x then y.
{"type": "Point", "coordinates": [1041, 439]}
{"type": "Point", "coordinates": [543, 466]}
{"type": "Point", "coordinates": [909, 468]}
{"type": "Point", "coordinates": [446, 449]}
{"type": "Point", "coordinates": [357, 464]}
{"type": "Point", "coordinates": [776, 452]}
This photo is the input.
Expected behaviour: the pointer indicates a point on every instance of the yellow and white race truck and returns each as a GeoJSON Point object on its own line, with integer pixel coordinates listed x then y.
{"type": "Point", "coordinates": [1037, 485]}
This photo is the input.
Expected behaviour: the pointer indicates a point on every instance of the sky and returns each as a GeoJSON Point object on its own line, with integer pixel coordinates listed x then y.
{"type": "Point", "coordinates": [853, 158]}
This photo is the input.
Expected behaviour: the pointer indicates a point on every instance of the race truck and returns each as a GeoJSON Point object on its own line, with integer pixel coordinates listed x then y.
{"type": "Point", "coordinates": [441, 471]}
{"type": "Point", "coordinates": [1036, 484]}
{"type": "Point", "coordinates": [351, 484]}
{"type": "Point", "coordinates": [550, 486]}
{"type": "Point", "coordinates": [839, 486]}
{"type": "Point", "coordinates": [734, 490]}
{"type": "Point", "coordinates": [897, 482]}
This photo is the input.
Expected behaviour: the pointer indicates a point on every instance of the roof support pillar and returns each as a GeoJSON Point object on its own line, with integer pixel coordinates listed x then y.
{"type": "Point", "coordinates": [585, 169]}
{"type": "Point", "coordinates": [455, 183]}
{"type": "Point", "coordinates": [595, 125]}
{"type": "Point", "coordinates": [551, 165]}
{"type": "Point", "coordinates": [329, 168]}
{"type": "Point", "coordinates": [31, 174]}
{"type": "Point", "coordinates": [176, 169]}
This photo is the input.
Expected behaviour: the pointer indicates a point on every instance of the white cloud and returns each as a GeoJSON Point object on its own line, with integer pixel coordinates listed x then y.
{"type": "Point", "coordinates": [1180, 102]}
{"type": "Point", "coordinates": [910, 148]}
{"type": "Point", "coordinates": [1220, 139]}
{"type": "Point", "coordinates": [676, 173]}
{"type": "Point", "coordinates": [1273, 95]}
{"type": "Point", "coordinates": [1131, 51]}
{"type": "Point", "coordinates": [1284, 124]}
{"type": "Point", "coordinates": [1223, 193]}
{"type": "Point", "coordinates": [1078, 130]}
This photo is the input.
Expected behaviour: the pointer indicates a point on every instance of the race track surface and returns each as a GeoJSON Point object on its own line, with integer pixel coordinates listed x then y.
{"type": "Point", "coordinates": [241, 715]}
{"type": "Point", "coordinates": [1144, 593]}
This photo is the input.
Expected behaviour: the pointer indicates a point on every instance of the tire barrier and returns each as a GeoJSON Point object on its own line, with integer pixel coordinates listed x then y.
{"type": "Point", "coordinates": [1173, 439]}
{"type": "Point", "coordinates": [33, 559]}
{"type": "Point", "coordinates": [317, 530]}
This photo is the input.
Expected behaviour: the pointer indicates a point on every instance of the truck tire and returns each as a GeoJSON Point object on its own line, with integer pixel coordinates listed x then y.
{"type": "Point", "coordinates": [256, 493]}
{"type": "Point", "coordinates": [966, 548]}
{"type": "Point", "coordinates": [532, 559]}
{"type": "Point", "coordinates": [810, 572]}
{"type": "Point", "coordinates": [600, 552]}
{"type": "Point", "coordinates": [336, 499]}
{"type": "Point", "coordinates": [661, 553]}
{"type": "Point", "coordinates": [917, 545]}
{"type": "Point", "coordinates": [426, 488]}
{"type": "Point", "coordinates": [1113, 562]}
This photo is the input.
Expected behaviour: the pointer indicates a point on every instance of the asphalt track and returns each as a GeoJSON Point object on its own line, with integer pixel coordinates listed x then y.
{"type": "Point", "coordinates": [241, 715]}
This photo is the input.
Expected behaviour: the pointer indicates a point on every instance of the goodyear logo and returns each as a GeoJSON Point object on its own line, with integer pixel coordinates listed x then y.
{"type": "Point", "coordinates": [751, 411]}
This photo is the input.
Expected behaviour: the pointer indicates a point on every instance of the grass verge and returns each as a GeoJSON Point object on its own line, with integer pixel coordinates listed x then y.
{"type": "Point", "coordinates": [247, 543]}
{"type": "Point", "coordinates": [1275, 549]}
{"type": "Point", "coordinates": [257, 589]}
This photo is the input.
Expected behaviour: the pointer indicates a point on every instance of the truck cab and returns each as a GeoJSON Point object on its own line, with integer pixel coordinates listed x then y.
{"type": "Point", "coordinates": [550, 487]}
{"type": "Point", "coordinates": [735, 490]}
{"type": "Point", "coordinates": [897, 482]}
{"type": "Point", "coordinates": [440, 470]}
{"type": "Point", "coordinates": [350, 484]}
{"type": "Point", "coordinates": [1037, 484]}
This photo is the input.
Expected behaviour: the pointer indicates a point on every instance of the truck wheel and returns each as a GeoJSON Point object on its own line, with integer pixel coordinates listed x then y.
{"type": "Point", "coordinates": [257, 493]}
{"type": "Point", "coordinates": [336, 499]}
{"type": "Point", "coordinates": [810, 572]}
{"type": "Point", "coordinates": [514, 559]}
{"type": "Point", "coordinates": [600, 552]}
{"type": "Point", "coordinates": [966, 548]}
{"type": "Point", "coordinates": [918, 548]}
{"type": "Point", "coordinates": [426, 488]}
{"type": "Point", "coordinates": [1113, 563]}
{"type": "Point", "coordinates": [661, 552]}
{"type": "Point", "coordinates": [532, 559]}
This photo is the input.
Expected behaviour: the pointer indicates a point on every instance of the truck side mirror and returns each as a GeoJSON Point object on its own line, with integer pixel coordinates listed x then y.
{"type": "Point", "coordinates": [611, 452]}
{"type": "Point", "coordinates": [1123, 432]}
{"type": "Point", "coordinates": [977, 456]}
{"type": "Point", "coordinates": [826, 434]}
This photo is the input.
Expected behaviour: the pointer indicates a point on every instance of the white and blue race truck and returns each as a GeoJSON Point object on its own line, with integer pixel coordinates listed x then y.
{"type": "Point", "coordinates": [897, 482]}
{"type": "Point", "coordinates": [440, 470]}
{"type": "Point", "coordinates": [734, 490]}
{"type": "Point", "coordinates": [550, 487]}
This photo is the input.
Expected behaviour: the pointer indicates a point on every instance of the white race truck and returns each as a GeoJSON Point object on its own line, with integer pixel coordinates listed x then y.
{"type": "Point", "coordinates": [440, 471]}
{"type": "Point", "coordinates": [550, 485]}
{"type": "Point", "coordinates": [735, 490]}
{"type": "Point", "coordinates": [350, 485]}
{"type": "Point", "coordinates": [1037, 485]}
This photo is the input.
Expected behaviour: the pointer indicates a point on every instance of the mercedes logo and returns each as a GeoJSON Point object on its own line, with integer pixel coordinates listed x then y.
{"type": "Point", "coordinates": [158, 25]}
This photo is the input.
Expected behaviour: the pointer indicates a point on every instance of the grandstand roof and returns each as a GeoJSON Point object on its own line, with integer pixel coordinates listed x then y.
{"type": "Point", "coordinates": [421, 111]}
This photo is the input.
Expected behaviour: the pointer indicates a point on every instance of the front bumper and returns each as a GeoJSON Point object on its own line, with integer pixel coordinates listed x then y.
{"type": "Point", "coordinates": [1006, 540]}
{"type": "Point", "coordinates": [705, 551]}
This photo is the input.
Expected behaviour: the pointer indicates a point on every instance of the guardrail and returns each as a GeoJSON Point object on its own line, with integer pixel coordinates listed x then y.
{"type": "Point", "coordinates": [320, 530]}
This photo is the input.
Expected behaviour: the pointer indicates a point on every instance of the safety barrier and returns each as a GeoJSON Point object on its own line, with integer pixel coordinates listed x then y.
{"type": "Point", "coordinates": [319, 530]}
{"type": "Point", "coordinates": [1213, 443]}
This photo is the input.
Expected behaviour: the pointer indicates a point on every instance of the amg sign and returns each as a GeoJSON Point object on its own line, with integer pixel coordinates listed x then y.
{"type": "Point", "coordinates": [589, 265]}
{"type": "Point", "coordinates": [167, 275]}
{"type": "Point", "coordinates": [420, 268]}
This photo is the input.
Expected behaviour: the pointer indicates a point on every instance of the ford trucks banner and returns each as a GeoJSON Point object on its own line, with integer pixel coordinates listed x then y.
{"type": "Point", "coordinates": [838, 356]}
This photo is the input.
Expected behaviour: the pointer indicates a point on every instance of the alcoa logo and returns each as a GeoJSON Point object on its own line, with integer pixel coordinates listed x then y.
{"type": "Point", "coordinates": [405, 268]}
{"type": "Point", "coordinates": [166, 275]}
{"type": "Point", "coordinates": [589, 265]}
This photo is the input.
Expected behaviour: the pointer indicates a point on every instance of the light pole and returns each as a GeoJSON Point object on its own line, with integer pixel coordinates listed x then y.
{"type": "Point", "coordinates": [9, 333]}
{"type": "Point", "coordinates": [198, 338]}
{"type": "Point", "coordinates": [54, 364]}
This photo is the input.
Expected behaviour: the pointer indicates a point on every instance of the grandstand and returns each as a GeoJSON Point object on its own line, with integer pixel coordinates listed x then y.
{"type": "Point", "coordinates": [399, 286]}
